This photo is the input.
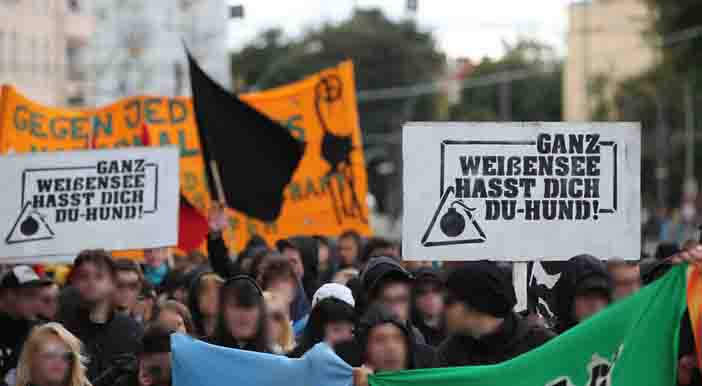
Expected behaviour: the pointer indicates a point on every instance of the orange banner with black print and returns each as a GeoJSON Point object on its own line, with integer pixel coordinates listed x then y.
{"type": "Point", "coordinates": [694, 305]}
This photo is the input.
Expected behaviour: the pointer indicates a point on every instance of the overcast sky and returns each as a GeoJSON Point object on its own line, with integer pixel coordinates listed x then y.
{"type": "Point", "coordinates": [463, 28]}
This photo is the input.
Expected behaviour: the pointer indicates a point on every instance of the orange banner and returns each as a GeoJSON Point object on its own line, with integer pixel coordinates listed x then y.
{"type": "Point", "coordinates": [326, 196]}
{"type": "Point", "coordinates": [694, 305]}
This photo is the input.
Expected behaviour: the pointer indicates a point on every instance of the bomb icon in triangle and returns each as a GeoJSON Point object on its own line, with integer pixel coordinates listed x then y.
{"type": "Point", "coordinates": [29, 226]}
{"type": "Point", "coordinates": [457, 223]}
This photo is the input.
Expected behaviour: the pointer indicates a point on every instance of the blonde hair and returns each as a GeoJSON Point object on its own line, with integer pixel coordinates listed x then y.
{"type": "Point", "coordinates": [286, 341]}
{"type": "Point", "coordinates": [36, 340]}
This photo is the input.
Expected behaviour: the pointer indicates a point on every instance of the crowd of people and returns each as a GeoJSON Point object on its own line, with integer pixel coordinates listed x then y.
{"type": "Point", "coordinates": [110, 322]}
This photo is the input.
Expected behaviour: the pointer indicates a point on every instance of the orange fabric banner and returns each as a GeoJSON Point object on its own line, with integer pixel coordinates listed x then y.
{"type": "Point", "coordinates": [694, 305]}
{"type": "Point", "coordinates": [327, 194]}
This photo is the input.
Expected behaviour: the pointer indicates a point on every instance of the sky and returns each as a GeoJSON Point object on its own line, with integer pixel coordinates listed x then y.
{"type": "Point", "coordinates": [463, 28]}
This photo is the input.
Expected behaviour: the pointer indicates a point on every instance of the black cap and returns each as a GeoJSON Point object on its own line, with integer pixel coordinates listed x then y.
{"type": "Point", "coordinates": [593, 283]}
{"type": "Point", "coordinates": [22, 276]}
{"type": "Point", "coordinates": [483, 286]}
{"type": "Point", "coordinates": [380, 269]}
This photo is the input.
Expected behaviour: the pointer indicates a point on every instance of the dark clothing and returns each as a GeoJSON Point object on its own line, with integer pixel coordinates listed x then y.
{"type": "Point", "coordinates": [124, 372]}
{"type": "Point", "coordinates": [433, 336]}
{"type": "Point", "coordinates": [687, 346]}
{"type": "Point", "coordinates": [104, 343]}
{"type": "Point", "coordinates": [219, 257]}
{"type": "Point", "coordinates": [515, 337]}
{"type": "Point", "coordinates": [300, 306]}
{"type": "Point", "coordinates": [309, 251]}
{"type": "Point", "coordinates": [582, 273]}
{"type": "Point", "coordinates": [13, 334]}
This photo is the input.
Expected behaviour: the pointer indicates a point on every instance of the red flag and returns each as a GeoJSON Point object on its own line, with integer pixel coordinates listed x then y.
{"type": "Point", "coordinates": [145, 139]}
{"type": "Point", "coordinates": [694, 306]}
{"type": "Point", "coordinates": [192, 226]}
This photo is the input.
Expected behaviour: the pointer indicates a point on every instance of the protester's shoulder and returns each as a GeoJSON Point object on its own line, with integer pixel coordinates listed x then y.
{"type": "Point", "coordinates": [425, 356]}
{"type": "Point", "coordinates": [535, 334]}
{"type": "Point", "coordinates": [127, 325]}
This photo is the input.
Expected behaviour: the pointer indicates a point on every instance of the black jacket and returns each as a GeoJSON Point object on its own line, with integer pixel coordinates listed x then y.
{"type": "Point", "coordinates": [577, 273]}
{"type": "Point", "coordinates": [104, 343]}
{"type": "Point", "coordinates": [13, 334]}
{"type": "Point", "coordinates": [218, 252]}
{"type": "Point", "coordinates": [516, 337]}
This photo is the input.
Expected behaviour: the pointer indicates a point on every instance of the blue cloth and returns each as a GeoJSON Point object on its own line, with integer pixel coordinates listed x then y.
{"type": "Point", "coordinates": [196, 363]}
{"type": "Point", "coordinates": [155, 276]}
{"type": "Point", "coordinates": [299, 326]}
{"type": "Point", "coordinates": [300, 306]}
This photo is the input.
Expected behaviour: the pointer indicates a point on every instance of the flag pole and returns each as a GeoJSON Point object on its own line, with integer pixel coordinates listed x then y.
{"type": "Point", "coordinates": [217, 182]}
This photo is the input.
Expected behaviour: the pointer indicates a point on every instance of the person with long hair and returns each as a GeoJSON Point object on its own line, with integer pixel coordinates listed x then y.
{"type": "Point", "coordinates": [51, 357]}
{"type": "Point", "coordinates": [176, 316]}
{"type": "Point", "coordinates": [203, 301]}
{"type": "Point", "coordinates": [242, 318]}
{"type": "Point", "coordinates": [279, 325]}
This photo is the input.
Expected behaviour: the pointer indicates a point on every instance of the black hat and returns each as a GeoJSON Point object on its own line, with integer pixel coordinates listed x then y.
{"type": "Point", "coordinates": [22, 276]}
{"type": "Point", "coordinates": [593, 283]}
{"type": "Point", "coordinates": [380, 269]}
{"type": "Point", "coordinates": [156, 339]}
{"type": "Point", "coordinates": [483, 286]}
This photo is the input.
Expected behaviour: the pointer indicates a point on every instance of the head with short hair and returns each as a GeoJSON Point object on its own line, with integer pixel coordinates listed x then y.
{"type": "Point", "coordinates": [176, 316]}
{"type": "Point", "coordinates": [626, 277]}
{"type": "Point", "coordinates": [279, 278]}
{"type": "Point", "coordinates": [94, 275]}
{"type": "Point", "coordinates": [385, 341]}
{"type": "Point", "coordinates": [378, 246]}
{"type": "Point", "coordinates": [129, 283]}
{"type": "Point", "coordinates": [51, 355]}
{"type": "Point", "coordinates": [155, 356]}
{"type": "Point", "coordinates": [349, 248]}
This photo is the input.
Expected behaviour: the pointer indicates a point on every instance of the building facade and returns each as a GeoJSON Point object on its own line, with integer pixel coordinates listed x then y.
{"type": "Point", "coordinates": [39, 45]}
{"type": "Point", "coordinates": [606, 45]}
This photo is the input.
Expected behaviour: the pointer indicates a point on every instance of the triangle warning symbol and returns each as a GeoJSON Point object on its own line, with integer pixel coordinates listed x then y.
{"type": "Point", "coordinates": [453, 223]}
{"type": "Point", "coordinates": [29, 226]}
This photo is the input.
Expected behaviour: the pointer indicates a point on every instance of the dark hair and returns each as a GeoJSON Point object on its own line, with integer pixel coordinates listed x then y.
{"type": "Point", "coordinates": [156, 339]}
{"type": "Point", "coordinates": [244, 291]}
{"type": "Point", "coordinates": [126, 265]}
{"type": "Point", "coordinates": [369, 251]}
{"type": "Point", "coordinates": [99, 257]}
{"type": "Point", "coordinates": [353, 235]}
{"type": "Point", "coordinates": [256, 269]}
{"type": "Point", "coordinates": [322, 240]}
{"type": "Point", "coordinates": [379, 315]}
{"type": "Point", "coordinates": [327, 311]}
{"type": "Point", "coordinates": [180, 309]}
{"type": "Point", "coordinates": [278, 269]}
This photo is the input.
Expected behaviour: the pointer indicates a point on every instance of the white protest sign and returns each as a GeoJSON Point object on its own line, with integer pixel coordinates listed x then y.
{"type": "Point", "coordinates": [521, 191]}
{"type": "Point", "coordinates": [60, 203]}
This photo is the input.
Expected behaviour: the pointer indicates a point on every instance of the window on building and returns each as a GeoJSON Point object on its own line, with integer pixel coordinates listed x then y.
{"type": "Point", "coordinates": [74, 6]}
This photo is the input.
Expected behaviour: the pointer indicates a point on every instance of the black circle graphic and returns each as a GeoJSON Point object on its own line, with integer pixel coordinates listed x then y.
{"type": "Point", "coordinates": [452, 223]}
{"type": "Point", "coordinates": [29, 226]}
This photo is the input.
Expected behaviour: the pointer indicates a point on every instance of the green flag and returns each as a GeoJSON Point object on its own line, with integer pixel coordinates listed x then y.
{"type": "Point", "coordinates": [633, 342]}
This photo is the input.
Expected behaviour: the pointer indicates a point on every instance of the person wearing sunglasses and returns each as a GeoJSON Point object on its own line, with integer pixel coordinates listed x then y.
{"type": "Point", "coordinates": [51, 357]}
{"type": "Point", "coordinates": [242, 321]}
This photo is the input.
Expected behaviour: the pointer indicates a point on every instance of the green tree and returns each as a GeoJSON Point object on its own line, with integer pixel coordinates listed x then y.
{"type": "Point", "coordinates": [536, 98]}
{"type": "Point", "coordinates": [385, 54]}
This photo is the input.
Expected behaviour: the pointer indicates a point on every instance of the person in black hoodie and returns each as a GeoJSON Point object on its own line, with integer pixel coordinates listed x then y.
{"type": "Point", "coordinates": [242, 316]}
{"type": "Point", "coordinates": [428, 305]}
{"type": "Point", "coordinates": [479, 315]}
{"type": "Point", "coordinates": [87, 311]}
{"type": "Point", "coordinates": [151, 366]}
{"type": "Point", "coordinates": [584, 289]}
{"type": "Point", "coordinates": [386, 282]}
{"type": "Point", "coordinates": [21, 292]}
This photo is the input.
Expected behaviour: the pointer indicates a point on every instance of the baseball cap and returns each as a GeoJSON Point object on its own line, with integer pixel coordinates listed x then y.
{"type": "Point", "coordinates": [22, 276]}
{"type": "Point", "coordinates": [333, 290]}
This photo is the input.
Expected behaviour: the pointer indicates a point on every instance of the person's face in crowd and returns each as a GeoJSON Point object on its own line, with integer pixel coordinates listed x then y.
{"type": "Point", "coordinates": [48, 297]}
{"type": "Point", "coordinates": [348, 250]}
{"type": "Point", "coordinates": [323, 255]}
{"type": "Point", "coordinates": [242, 322]}
{"type": "Point", "coordinates": [337, 332]}
{"type": "Point", "coordinates": [344, 276]}
{"type": "Point", "coordinates": [25, 303]}
{"type": "Point", "coordinates": [209, 298]}
{"type": "Point", "coordinates": [127, 292]}
{"type": "Point", "coordinates": [180, 294]}
{"type": "Point", "coordinates": [155, 369]}
{"type": "Point", "coordinates": [144, 309]}
{"type": "Point", "coordinates": [627, 280]}
{"type": "Point", "coordinates": [94, 283]}
{"type": "Point", "coordinates": [156, 257]}
{"type": "Point", "coordinates": [173, 321]}
{"type": "Point", "coordinates": [464, 320]}
{"type": "Point", "coordinates": [430, 300]}
{"type": "Point", "coordinates": [182, 263]}
{"type": "Point", "coordinates": [284, 288]}
{"type": "Point", "coordinates": [387, 348]}
{"type": "Point", "coordinates": [588, 304]}
{"type": "Point", "coordinates": [295, 258]}
{"type": "Point", "coordinates": [53, 363]}
{"type": "Point", "coordinates": [276, 317]}
{"type": "Point", "coordinates": [396, 297]}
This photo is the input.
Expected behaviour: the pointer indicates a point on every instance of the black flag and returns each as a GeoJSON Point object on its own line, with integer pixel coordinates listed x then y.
{"type": "Point", "coordinates": [249, 154]}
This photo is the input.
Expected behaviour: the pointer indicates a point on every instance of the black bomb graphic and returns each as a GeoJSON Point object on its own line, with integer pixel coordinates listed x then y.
{"type": "Point", "coordinates": [457, 224]}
